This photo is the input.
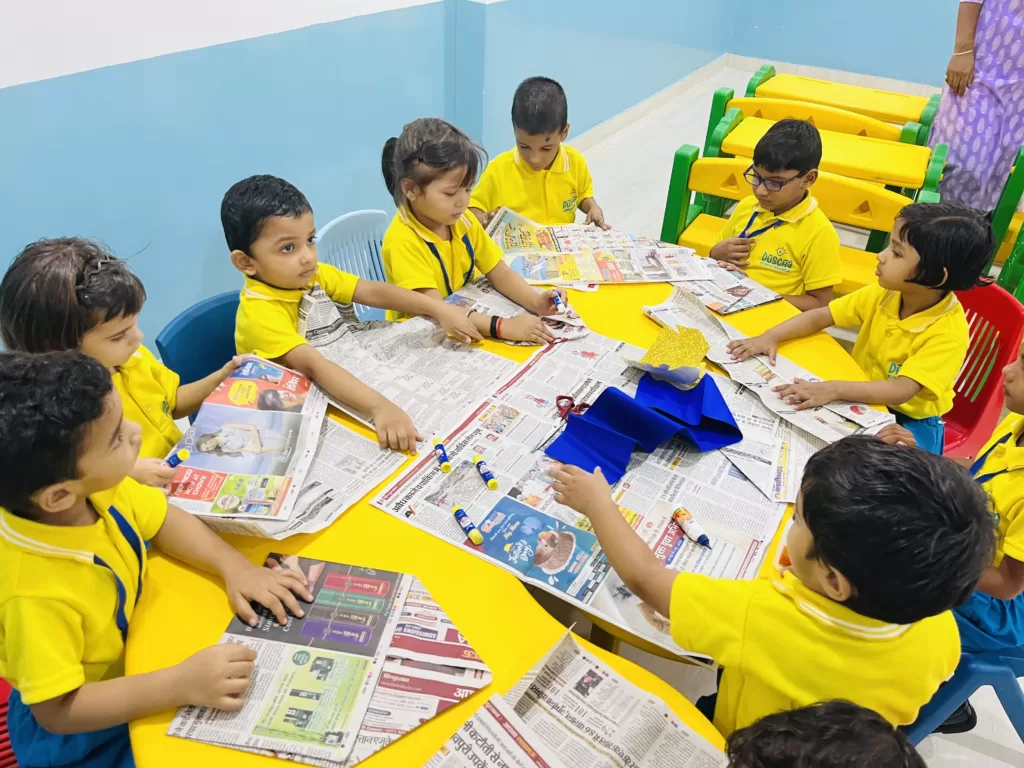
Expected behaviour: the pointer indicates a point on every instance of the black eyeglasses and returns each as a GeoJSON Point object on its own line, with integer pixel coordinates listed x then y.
{"type": "Point", "coordinates": [770, 184]}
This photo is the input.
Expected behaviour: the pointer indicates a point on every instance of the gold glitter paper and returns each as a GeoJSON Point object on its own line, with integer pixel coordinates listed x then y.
{"type": "Point", "coordinates": [677, 348]}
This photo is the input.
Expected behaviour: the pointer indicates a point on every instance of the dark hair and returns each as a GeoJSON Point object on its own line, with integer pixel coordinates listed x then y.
{"type": "Point", "coordinates": [910, 530]}
{"type": "Point", "coordinates": [427, 149]}
{"type": "Point", "coordinates": [47, 402]}
{"type": "Point", "coordinates": [252, 201]}
{"type": "Point", "coordinates": [55, 291]}
{"type": "Point", "coordinates": [539, 106]}
{"type": "Point", "coordinates": [789, 145]}
{"type": "Point", "coordinates": [271, 400]}
{"type": "Point", "coordinates": [832, 734]}
{"type": "Point", "coordinates": [954, 241]}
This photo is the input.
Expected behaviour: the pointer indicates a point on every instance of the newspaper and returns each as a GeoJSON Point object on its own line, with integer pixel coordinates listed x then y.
{"type": "Point", "coordinates": [573, 711]}
{"type": "Point", "coordinates": [726, 292]}
{"type": "Point", "coordinates": [433, 379]}
{"type": "Point", "coordinates": [373, 659]}
{"type": "Point", "coordinates": [550, 545]}
{"type": "Point", "coordinates": [251, 445]}
{"type": "Point", "coordinates": [572, 253]}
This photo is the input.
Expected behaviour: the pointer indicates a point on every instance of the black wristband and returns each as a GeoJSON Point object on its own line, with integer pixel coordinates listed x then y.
{"type": "Point", "coordinates": [494, 326]}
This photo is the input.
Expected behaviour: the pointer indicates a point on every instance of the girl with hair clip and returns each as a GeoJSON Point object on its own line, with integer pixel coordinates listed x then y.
{"type": "Point", "coordinates": [434, 245]}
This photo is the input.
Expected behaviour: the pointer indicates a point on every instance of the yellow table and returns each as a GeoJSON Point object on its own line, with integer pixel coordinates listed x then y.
{"type": "Point", "coordinates": [887, 106]}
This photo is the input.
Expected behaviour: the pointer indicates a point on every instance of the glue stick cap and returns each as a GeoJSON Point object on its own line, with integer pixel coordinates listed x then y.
{"type": "Point", "coordinates": [477, 458]}
{"type": "Point", "coordinates": [476, 537]}
{"type": "Point", "coordinates": [183, 454]}
{"type": "Point", "coordinates": [438, 441]}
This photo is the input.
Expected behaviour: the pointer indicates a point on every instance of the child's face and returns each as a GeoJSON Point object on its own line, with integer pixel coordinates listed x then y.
{"type": "Point", "coordinates": [898, 262]}
{"type": "Point", "coordinates": [539, 150]}
{"type": "Point", "coordinates": [114, 342]}
{"type": "Point", "coordinates": [1013, 384]}
{"type": "Point", "coordinates": [787, 197]}
{"type": "Point", "coordinates": [443, 200]}
{"type": "Point", "coordinates": [284, 255]}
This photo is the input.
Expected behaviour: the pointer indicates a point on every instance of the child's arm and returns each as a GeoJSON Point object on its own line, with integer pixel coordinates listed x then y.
{"type": "Point", "coordinates": [191, 396]}
{"type": "Point", "coordinates": [594, 213]}
{"type": "Point", "coordinates": [631, 558]}
{"type": "Point", "coordinates": [153, 472]}
{"type": "Point", "coordinates": [484, 217]}
{"type": "Point", "coordinates": [1004, 581]}
{"type": "Point", "coordinates": [815, 299]}
{"type": "Point", "coordinates": [803, 324]}
{"type": "Point", "coordinates": [395, 429]}
{"type": "Point", "coordinates": [388, 296]}
{"type": "Point", "coordinates": [811, 394]}
{"type": "Point", "coordinates": [511, 285]}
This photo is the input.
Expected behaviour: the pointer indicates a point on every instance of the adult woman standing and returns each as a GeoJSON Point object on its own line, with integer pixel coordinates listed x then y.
{"type": "Point", "coordinates": [981, 116]}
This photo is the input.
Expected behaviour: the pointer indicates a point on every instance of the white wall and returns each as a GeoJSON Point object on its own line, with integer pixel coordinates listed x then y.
{"type": "Point", "coordinates": [40, 39]}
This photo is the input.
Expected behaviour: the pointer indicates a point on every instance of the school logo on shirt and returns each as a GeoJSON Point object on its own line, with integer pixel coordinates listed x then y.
{"type": "Point", "coordinates": [570, 204]}
{"type": "Point", "coordinates": [167, 408]}
{"type": "Point", "coordinates": [779, 261]}
{"type": "Point", "coordinates": [894, 370]}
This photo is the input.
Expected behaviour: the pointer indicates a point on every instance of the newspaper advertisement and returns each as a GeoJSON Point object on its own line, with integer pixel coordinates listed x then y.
{"type": "Point", "coordinates": [574, 711]}
{"type": "Point", "coordinates": [433, 379]}
{"type": "Point", "coordinates": [251, 445]}
{"type": "Point", "coordinates": [574, 253]}
{"type": "Point", "coordinates": [550, 545]}
{"type": "Point", "coordinates": [726, 292]}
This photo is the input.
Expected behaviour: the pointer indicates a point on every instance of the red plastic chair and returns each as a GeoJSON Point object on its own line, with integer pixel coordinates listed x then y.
{"type": "Point", "coordinates": [996, 322]}
{"type": "Point", "coordinates": [6, 753]}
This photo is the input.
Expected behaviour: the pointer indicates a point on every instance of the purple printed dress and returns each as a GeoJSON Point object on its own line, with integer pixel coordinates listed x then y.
{"type": "Point", "coordinates": [985, 128]}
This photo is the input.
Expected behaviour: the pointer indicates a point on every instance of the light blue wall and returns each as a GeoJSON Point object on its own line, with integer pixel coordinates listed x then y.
{"type": "Point", "coordinates": [905, 39]}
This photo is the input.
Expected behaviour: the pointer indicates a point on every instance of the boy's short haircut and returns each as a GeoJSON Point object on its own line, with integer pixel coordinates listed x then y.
{"type": "Point", "coordinates": [47, 403]}
{"type": "Point", "coordinates": [55, 291]}
{"type": "Point", "coordinates": [539, 106]}
{"type": "Point", "coordinates": [955, 243]}
{"type": "Point", "coordinates": [789, 145]}
{"type": "Point", "coordinates": [251, 201]}
{"type": "Point", "coordinates": [910, 530]}
{"type": "Point", "coordinates": [833, 734]}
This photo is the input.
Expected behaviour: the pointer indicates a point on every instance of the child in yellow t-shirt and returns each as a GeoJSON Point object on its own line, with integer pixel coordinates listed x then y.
{"type": "Point", "coordinates": [268, 226]}
{"type": "Point", "coordinates": [433, 246]}
{"type": "Point", "coordinates": [72, 293]}
{"type": "Point", "coordinates": [913, 333]}
{"type": "Point", "coordinates": [542, 178]}
{"type": "Point", "coordinates": [864, 612]}
{"type": "Point", "coordinates": [73, 528]}
{"type": "Point", "coordinates": [779, 236]}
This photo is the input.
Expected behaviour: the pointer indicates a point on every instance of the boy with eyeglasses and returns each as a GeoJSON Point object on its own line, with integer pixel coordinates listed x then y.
{"type": "Point", "coordinates": [779, 236]}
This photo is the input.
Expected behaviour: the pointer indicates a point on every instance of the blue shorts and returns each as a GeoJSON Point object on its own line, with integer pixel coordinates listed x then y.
{"type": "Point", "coordinates": [35, 747]}
{"type": "Point", "coordinates": [929, 433]}
{"type": "Point", "coordinates": [987, 623]}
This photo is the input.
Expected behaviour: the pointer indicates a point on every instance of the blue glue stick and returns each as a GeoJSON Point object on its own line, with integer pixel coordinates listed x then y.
{"type": "Point", "coordinates": [178, 457]}
{"type": "Point", "coordinates": [557, 299]}
{"type": "Point", "coordinates": [485, 472]}
{"type": "Point", "coordinates": [467, 525]}
{"type": "Point", "coordinates": [442, 455]}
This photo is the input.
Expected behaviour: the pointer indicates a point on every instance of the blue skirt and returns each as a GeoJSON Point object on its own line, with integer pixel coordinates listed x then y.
{"type": "Point", "coordinates": [989, 624]}
{"type": "Point", "coordinates": [930, 433]}
{"type": "Point", "coordinates": [35, 747]}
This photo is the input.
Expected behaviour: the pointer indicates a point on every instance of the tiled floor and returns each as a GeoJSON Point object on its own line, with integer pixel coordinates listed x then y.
{"type": "Point", "coordinates": [630, 163]}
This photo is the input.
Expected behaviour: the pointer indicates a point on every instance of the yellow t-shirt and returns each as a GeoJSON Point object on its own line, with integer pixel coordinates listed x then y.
{"type": "Point", "coordinates": [149, 393]}
{"type": "Point", "coordinates": [58, 607]}
{"type": "Point", "coordinates": [929, 347]}
{"type": "Point", "coordinates": [1006, 486]}
{"type": "Point", "coordinates": [783, 646]}
{"type": "Point", "coordinates": [267, 321]}
{"type": "Point", "coordinates": [409, 262]}
{"type": "Point", "coordinates": [792, 258]}
{"type": "Point", "coordinates": [546, 197]}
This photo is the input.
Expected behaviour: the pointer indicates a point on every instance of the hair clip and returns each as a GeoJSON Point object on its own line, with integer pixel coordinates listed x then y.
{"type": "Point", "coordinates": [91, 271]}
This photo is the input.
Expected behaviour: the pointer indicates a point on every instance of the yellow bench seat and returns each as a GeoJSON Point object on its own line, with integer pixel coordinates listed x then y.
{"type": "Point", "coordinates": [882, 105]}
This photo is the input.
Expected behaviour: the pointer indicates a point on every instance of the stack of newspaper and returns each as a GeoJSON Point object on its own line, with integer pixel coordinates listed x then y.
{"type": "Point", "coordinates": [374, 657]}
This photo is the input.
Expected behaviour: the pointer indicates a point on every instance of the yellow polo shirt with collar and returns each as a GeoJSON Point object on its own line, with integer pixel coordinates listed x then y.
{"type": "Point", "coordinates": [929, 347]}
{"type": "Point", "coordinates": [267, 320]}
{"type": "Point", "coordinates": [149, 394]}
{"type": "Point", "coordinates": [547, 197]}
{"type": "Point", "coordinates": [1005, 462]}
{"type": "Point", "coordinates": [799, 255]}
{"type": "Point", "coordinates": [409, 262]}
{"type": "Point", "coordinates": [58, 608]}
{"type": "Point", "coordinates": [783, 646]}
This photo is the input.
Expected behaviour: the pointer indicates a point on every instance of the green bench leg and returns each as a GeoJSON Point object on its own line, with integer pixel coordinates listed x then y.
{"type": "Point", "coordinates": [677, 203]}
{"type": "Point", "coordinates": [1006, 206]}
{"type": "Point", "coordinates": [766, 72]}
{"type": "Point", "coordinates": [928, 118]}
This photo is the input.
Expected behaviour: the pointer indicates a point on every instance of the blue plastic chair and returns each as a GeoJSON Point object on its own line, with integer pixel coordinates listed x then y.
{"type": "Point", "coordinates": [1000, 669]}
{"type": "Point", "coordinates": [201, 339]}
{"type": "Point", "coordinates": [353, 243]}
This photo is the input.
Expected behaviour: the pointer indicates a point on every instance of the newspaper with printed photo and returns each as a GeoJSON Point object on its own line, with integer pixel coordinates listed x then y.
{"type": "Point", "coordinates": [574, 711]}
{"type": "Point", "coordinates": [727, 292]}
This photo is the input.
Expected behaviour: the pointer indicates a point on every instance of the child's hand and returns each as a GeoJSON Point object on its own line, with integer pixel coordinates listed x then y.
{"type": "Point", "coordinates": [456, 323]}
{"type": "Point", "coordinates": [730, 267]}
{"type": "Point", "coordinates": [734, 250]}
{"type": "Point", "coordinates": [807, 394]}
{"type": "Point", "coordinates": [579, 489]}
{"type": "Point", "coordinates": [484, 217]}
{"type": "Point", "coordinates": [544, 304]}
{"type": "Point", "coordinates": [230, 366]}
{"type": "Point", "coordinates": [274, 589]}
{"type": "Point", "coordinates": [894, 434]}
{"type": "Point", "coordinates": [154, 472]}
{"type": "Point", "coordinates": [215, 677]}
{"type": "Point", "coordinates": [526, 328]}
{"type": "Point", "coordinates": [395, 429]}
{"type": "Point", "coordinates": [755, 345]}
{"type": "Point", "coordinates": [596, 216]}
